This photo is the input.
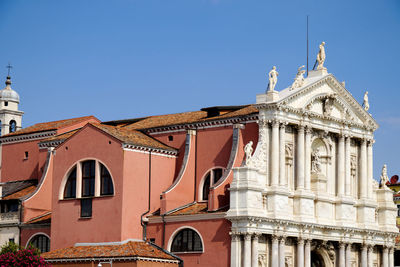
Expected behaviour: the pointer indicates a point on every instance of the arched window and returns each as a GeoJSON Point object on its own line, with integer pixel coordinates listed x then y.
{"type": "Point", "coordinates": [41, 242]}
{"type": "Point", "coordinates": [13, 126]}
{"type": "Point", "coordinates": [211, 178]}
{"type": "Point", "coordinates": [187, 240]}
{"type": "Point", "coordinates": [70, 187]}
{"type": "Point", "coordinates": [88, 178]}
{"type": "Point", "coordinates": [106, 186]}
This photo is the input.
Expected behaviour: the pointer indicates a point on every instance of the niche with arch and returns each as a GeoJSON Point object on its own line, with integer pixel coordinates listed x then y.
{"type": "Point", "coordinates": [320, 162]}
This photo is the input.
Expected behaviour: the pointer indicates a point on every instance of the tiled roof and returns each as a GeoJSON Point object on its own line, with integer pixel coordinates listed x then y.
{"type": "Point", "coordinates": [43, 218]}
{"type": "Point", "coordinates": [47, 126]}
{"type": "Point", "coordinates": [195, 208]}
{"type": "Point", "coordinates": [169, 119]}
{"type": "Point", "coordinates": [21, 193]}
{"type": "Point", "coordinates": [59, 137]}
{"type": "Point", "coordinates": [133, 137]}
{"type": "Point", "coordinates": [128, 249]}
{"type": "Point", "coordinates": [14, 187]}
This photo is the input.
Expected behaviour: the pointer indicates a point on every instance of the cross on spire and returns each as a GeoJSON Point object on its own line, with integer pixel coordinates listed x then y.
{"type": "Point", "coordinates": [9, 67]}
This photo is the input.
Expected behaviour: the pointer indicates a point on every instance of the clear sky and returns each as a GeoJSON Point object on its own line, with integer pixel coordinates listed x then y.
{"type": "Point", "coordinates": [129, 58]}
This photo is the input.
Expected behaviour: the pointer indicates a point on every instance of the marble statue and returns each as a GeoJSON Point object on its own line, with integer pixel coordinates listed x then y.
{"type": "Point", "coordinates": [321, 56]}
{"type": "Point", "coordinates": [299, 79]}
{"type": "Point", "coordinates": [366, 103]}
{"type": "Point", "coordinates": [273, 78]}
{"type": "Point", "coordinates": [384, 176]}
{"type": "Point", "coordinates": [248, 150]}
{"type": "Point", "coordinates": [316, 161]}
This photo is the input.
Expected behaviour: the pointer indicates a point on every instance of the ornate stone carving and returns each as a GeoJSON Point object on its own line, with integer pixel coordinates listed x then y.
{"type": "Point", "coordinates": [288, 261]}
{"type": "Point", "coordinates": [260, 156]}
{"type": "Point", "coordinates": [321, 56]}
{"type": "Point", "coordinates": [248, 151]}
{"type": "Point", "coordinates": [273, 79]}
{"type": "Point", "coordinates": [366, 102]}
{"type": "Point", "coordinates": [384, 176]}
{"type": "Point", "coordinates": [262, 260]}
{"type": "Point", "coordinates": [328, 105]}
{"type": "Point", "coordinates": [353, 165]}
{"type": "Point", "coordinates": [299, 79]}
{"type": "Point", "coordinates": [315, 161]}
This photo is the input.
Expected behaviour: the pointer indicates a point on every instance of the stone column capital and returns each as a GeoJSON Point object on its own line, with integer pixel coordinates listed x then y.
{"type": "Point", "coordinates": [300, 128]}
{"type": "Point", "coordinates": [275, 123]}
{"type": "Point", "coordinates": [256, 236]}
{"type": "Point", "coordinates": [308, 129]}
{"type": "Point", "coordinates": [342, 245]}
{"type": "Point", "coordinates": [283, 124]}
{"type": "Point", "coordinates": [300, 241]}
{"type": "Point", "coordinates": [275, 238]}
{"type": "Point", "coordinates": [247, 236]}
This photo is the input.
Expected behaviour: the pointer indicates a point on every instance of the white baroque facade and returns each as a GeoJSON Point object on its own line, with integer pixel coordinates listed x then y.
{"type": "Point", "coordinates": [307, 196]}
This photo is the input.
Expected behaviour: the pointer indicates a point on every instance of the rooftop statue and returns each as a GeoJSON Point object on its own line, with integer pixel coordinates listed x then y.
{"type": "Point", "coordinates": [273, 78]}
{"type": "Point", "coordinates": [366, 103]}
{"type": "Point", "coordinates": [299, 79]}
{"type": "Point", "coordinates": [321, 56]}
{"type": "Point", "coordinates": [248, 150]}
{"type": "Point", "coordinates": [384, 176]}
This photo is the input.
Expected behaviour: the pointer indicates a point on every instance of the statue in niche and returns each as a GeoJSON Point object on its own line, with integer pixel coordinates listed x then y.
{"type": "Point", "coordinates": [299, 79]}
{"type": "Point", "coordinates": [321, 56]}
{"type": "Point", "coordinates": [366, 103]}
{"type": "Point", "coordinates": [384, 176]}
{"type": "Point", "coordinates": [273, 79]}
{"type": "Point", "coordinates": [248, 151]}
{"type": "Point", "coordinates": [315, 161]}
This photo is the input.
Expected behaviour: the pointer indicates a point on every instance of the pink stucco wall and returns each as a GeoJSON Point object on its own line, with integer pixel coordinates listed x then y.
{"type": "Point", "coordinates": [16, 167]}
{"type": "Point", "coordinates": [105, 223]}
{"type": "Point", "coordinates": [216, 241]}
{"type": "Point", "coordinates": [27, 233]}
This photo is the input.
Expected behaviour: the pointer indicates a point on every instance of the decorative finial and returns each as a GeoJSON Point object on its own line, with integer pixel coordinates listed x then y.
{"type": "Point", "coordinates": [9, 67]}
{"type": "Point", "coordinates": [321, 57]}
{"type": "Point", "coordinates": [8, 80]}
{"type": "Point", "coordinates": [366, 103]}
{"type": "Point", "coordinates": [273, 78]}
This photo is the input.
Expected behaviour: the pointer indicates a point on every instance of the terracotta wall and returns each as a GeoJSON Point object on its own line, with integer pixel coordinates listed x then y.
{"type": "Point", "coordinates": [15, 166]}
{"type": "Point", "coordinates": [68, 227]}
{"type": "Point", "coordinates": [215, 234]}
{"type": "Point", "coordinates": [27, 233]}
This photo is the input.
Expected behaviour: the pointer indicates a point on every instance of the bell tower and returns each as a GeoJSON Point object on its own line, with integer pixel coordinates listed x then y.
{"type": "Point", "coordinates": [10, 116]}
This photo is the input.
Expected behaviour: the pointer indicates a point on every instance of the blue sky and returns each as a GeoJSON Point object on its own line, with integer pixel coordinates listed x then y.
{"type": "Point", "coordinates": [129, 58]}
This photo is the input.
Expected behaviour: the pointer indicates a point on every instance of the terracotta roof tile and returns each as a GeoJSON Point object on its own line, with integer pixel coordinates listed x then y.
{"type": "Point", "coordinates": [12, 187]}
{"type": "Point", "coordinates": [21, 193]}
{"type": "Point", "coordinates": [47, 126]}
{"type": "Point", "coordinates": [43, 218]}
{"type": "Point", "coordinates": [169, 119]}
{"type": "Point", "coordinates": [128, 249]}
{"type": "Point", "coordinates": [131, 136]}
{"type": "Point", "coordinates": [60, 137]}
{"type": "Point", "coordinates": [196, 208]}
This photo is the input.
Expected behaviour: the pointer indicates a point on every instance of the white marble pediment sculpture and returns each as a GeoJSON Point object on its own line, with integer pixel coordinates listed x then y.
{"type": "Point", "coordinates": [326, 97]}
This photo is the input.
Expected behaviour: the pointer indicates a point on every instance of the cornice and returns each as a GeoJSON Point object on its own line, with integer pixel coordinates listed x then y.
{"type": "Point", "coordinates": [27, 137]}
{"type": "Point", "coordinates": [144, 149]}
{"type": "Point", "coordinates": [188, 217]}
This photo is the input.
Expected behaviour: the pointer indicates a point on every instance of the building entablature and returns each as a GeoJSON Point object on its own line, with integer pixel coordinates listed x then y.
{"type": "Point", "coordinates": [27, 137]}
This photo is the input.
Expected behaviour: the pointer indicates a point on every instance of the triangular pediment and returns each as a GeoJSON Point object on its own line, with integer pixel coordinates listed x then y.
{"type": "Point", "coordinates": [327, 97]}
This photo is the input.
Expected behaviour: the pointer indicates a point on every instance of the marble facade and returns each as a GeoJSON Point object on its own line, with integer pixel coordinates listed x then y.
{"type": "Point", "coordinates": [307, 196]}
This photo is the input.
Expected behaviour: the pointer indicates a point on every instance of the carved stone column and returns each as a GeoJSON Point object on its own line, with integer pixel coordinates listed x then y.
{"type": "Point", "coordinates": [385, 257]}
{"type": "Point", "coordinates": [391, 257]}
{"type": "Point", "coordinates": [275, 251]}
{"type": "Point", "coordinates": [347, 186]}
{"type": "Point", "coordinates": [363, 169]}
{"type": "Point", "coordinates": [282, 161]}
{"type": "Point", "coordinates": [282, 252]}
{"type": "Point", "coordinates": [300, 252]}
{"type": "Point", "coordinates": [247, 250]}
{"type": "Point", "coordinates": [235, 250]}
{"type": "Point", "coordinates": [340, 162]}
{"type": "Point", "coordinates": [342, 260]}
{"type": "Point", "coordinates": [275, 154]}
{"type": "Point", "coordinates": [300, 158]}
{"type": "Point", "coordinates": [254, 251]}
{"type": "Point", "coordinates": [307, 254]}
{"type": "Point", "coordinates": [307, 160]}
{"type": "Point", "coordinates": [370, 169]}
{"type": "Point", "coordinates": [348, 255]}
{"type": "Point", "coordinates": [369, 255]}
{"type": "Point", "coordinates": [364, 262]}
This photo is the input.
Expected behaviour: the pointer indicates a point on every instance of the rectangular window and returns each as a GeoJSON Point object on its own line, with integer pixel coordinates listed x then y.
{"type": "Point", "coordinates": [398, 210]}
{"type": "Point", "coordinates": [11, 240]}
{"type": "Point", "coordinates": [26, 155]}
{"type": "Point", "coordinates": [86, 207]}
{"type": "Point", "coordinates": [6, 103]}
{"type": "Point", "coordinates": [88, 178]}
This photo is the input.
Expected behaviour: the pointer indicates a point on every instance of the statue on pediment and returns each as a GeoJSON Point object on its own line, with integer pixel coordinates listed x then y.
{"type": "Point", "coordinates": [299, 79]}
{"type": "Point", "coordinates": [328, 106]}
{"type": "Point", "coordinates": [321, 56]}
{"type": "Point", "coordinates": [366, 103]}
{"type": "Point", "coordinates": [248, 151]}
{"type": "Point", "coordinates": [273, 79]}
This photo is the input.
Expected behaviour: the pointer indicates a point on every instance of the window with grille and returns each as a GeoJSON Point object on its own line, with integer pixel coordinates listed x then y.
{"type": "Point", "coordinates": [187, 240]}
{"type": "Point", "coordinates": [41, 242]}
{"type": "Point", "coordinates": [211, 178]}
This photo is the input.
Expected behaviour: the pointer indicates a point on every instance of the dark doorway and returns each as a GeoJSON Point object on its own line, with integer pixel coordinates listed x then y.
{"type": "Point", "coordinates": [316, 260]}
